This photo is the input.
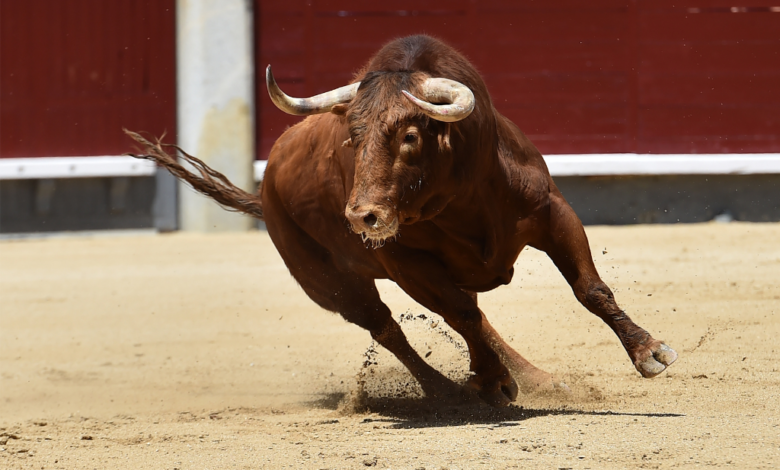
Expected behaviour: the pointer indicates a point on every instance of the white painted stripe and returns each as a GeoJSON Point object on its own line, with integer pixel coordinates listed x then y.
{"type": "Point", "coordinates": [73, 167]}
{"type": "Point", "coordinates": [663, 164]}
{"type": "Point", "coordinates": [559, 165]}
{"type": "Point", "coordinates": [133, 232]}
{"type": "Point", "coordinates": [648, 164]}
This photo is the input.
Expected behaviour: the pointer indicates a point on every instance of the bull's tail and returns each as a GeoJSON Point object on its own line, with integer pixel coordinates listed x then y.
{"type": "Point", "coordinates": [210, 182]}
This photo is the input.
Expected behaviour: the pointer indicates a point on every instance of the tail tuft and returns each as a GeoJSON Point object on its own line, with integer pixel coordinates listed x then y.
{"type": "Point", "coordinates": [210, 182]}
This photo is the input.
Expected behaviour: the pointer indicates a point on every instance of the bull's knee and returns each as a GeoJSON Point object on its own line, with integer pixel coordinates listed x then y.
{"type": "Point", "coordinates": [597, 297]}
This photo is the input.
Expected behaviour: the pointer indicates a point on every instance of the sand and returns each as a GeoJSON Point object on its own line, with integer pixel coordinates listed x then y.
{"type": "Point", "coordinates": [201, 352]}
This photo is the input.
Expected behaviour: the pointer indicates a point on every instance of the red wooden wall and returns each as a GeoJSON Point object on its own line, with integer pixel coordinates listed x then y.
{"type": "Point", "coordinates": [661, 76]}
{"type": "Point", "coordinates": [73, 73]}
{"type": "Point", "coordinates": [709, 76]}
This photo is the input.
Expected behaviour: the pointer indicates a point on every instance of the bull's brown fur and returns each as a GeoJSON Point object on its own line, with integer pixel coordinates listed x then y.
{"type": "Point", "coordinates": [448, 211]}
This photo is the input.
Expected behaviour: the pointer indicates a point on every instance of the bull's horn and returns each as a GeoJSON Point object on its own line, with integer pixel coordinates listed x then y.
{"type": "Point", "coordinates": [307, 106]}
{"type": "Point", "coordinates": [459, 99]}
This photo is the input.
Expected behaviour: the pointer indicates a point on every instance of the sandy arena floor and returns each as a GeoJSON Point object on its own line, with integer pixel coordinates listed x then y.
{"type": "Point", "coordinates": [200, 352]}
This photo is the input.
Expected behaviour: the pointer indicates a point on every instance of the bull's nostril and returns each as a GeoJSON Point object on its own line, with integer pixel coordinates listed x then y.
{"type": "Point", "coordinates": [370, 220]}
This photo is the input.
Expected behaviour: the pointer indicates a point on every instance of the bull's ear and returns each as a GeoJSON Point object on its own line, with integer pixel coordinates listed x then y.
{"type": "Point", "coordinates": [444, 139]}
{"type": "Point", "coordinates": [347, 143]}
{"type": "Point", "coordinates": [340, 109]}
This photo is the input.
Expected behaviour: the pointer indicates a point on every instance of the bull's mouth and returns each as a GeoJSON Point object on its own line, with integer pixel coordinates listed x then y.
{"type": "Point", "coordinates": [378, 233]}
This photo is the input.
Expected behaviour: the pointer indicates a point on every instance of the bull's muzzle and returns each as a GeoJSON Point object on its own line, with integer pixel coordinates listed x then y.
{"type": "Point", "coordinates": [373, 222]}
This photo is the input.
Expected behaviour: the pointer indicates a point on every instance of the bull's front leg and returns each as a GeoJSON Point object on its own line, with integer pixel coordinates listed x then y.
{"type": "Point", "coordinates": [427, 282]}
{"type": "Point", "coordinates": [567, 245]}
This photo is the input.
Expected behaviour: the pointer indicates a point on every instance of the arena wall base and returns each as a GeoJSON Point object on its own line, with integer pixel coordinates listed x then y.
{"type": "Point", "coordinates": [41, 205]}
{"type": "Point", "coordinates": [149, 202]}
{"type": "Point", "coordinates": [66, 204]}
{"type": "Point", "coordinates": [669, 199]}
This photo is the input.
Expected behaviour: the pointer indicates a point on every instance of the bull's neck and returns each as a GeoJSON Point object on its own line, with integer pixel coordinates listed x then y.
{"type": "Point", "coordinates": [475, 194]}
{"type": "Point", "coordinates": [503, 184]}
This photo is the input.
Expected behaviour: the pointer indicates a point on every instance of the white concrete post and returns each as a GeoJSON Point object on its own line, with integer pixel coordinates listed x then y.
{"type": "Point", "coordinates": [215, 103]}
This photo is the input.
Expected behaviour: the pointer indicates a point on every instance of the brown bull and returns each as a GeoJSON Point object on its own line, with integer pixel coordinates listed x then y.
{"type": "Point", "coordinates": [410, 174]}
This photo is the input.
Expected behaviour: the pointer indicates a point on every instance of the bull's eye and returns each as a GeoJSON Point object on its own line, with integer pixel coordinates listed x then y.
{"type": "Point", "coordinates": [410, 138]}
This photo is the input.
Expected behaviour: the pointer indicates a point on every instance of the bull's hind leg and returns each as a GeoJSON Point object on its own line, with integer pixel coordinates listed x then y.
{"type": "Point", "coordinates": [567, 246]}
{"type": "Point", "coordinates": [529, 378]}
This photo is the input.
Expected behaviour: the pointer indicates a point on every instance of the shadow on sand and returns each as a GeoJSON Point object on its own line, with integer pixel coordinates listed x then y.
{"type": "Point", "coordinates": [410, 413]}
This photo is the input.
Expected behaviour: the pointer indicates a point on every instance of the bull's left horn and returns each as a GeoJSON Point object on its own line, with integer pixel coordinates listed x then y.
{"type": "Point", "coordinates": [458, 98]}
{"type": "Point", "coordinates": [306, 106]}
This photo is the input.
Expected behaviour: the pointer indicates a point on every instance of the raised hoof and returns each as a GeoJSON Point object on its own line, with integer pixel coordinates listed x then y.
{"type": "Point", "coordinates": [662, 357]}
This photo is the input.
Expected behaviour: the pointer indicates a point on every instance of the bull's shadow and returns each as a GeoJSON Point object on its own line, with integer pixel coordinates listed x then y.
{"type": "Point", "coordinates": [410, 413]}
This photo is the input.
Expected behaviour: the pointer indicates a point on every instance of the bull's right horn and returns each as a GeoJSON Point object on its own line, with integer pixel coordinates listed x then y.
{"type": "Point", "coordinates": [459, 100]}
{"type": "Point", "coordinates": [308, 106]}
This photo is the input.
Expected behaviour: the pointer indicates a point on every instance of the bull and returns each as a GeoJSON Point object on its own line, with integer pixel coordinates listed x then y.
{"type": "Point", "coordinates": [409, 173]}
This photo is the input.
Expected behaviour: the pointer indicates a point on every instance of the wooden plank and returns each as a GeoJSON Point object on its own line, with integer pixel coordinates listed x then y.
{"type": "Point", "coordinates": [711, 144]}
{"type": "Point", "coordinates": [558, 88]}
{"type": "Point", "coordinates": [396, 8]}
{"type": "Point", "coordinates": [709, 58]}
{"type": "Point", "coordinates": [276, 8]}
{"type": "Point", "coordinates": [550, 58]}
{"type": "Point", "coordinates": [550, 144]}
{"type": "Point", "coordinates": [508, 6]}
{"type": "Point", "coordinates": [85, 68]}
{"type": "Point", "coordinates": [334, 33]}
{"type": "Point", "coordinates": [286, 68]}
{"type": "Point", "coordinates": [681, 26]}
{"type": "Point", "coordinates": [574, 119]}
{"type": "Point", "coordinates": [722, 5]}
{"type": "Point", "coordinates": [556, 26]}
{"type": "Point", "coordinates": [709, 120]}
{"type": "Point", "coordinates": [281, 33]}
{"type": "Point", "coordinates": [702, 89]}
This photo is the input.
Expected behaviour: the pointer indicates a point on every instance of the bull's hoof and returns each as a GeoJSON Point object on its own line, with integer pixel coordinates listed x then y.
{"type": "Point", "coordinates": [661, 357]}
{"type": "Point", "coordinates": [445, 390]}
{"type": "Point", "coordinates": [497, 394]}
{"type": "Point", "coordinates": [510, 389]}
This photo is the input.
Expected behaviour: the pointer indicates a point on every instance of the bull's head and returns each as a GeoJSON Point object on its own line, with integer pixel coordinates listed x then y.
{"type": "Point", "coordinates": [397, 142]}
